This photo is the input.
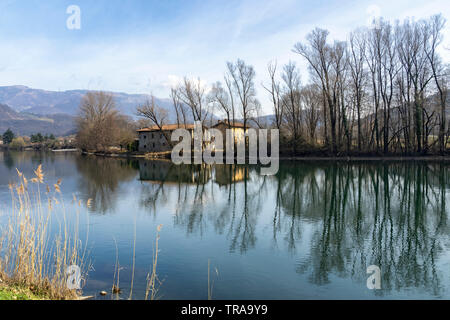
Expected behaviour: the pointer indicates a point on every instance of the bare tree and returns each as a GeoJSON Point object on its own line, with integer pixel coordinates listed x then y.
{"type": "Point", "coordinates": [221, 98]}
{"type": "Point", "coordinates": [311, 99]}
{"type": "Point", "coordinates": [242, 76]}
{"type": "Point", "coordinates": [440, 77]}
{"type": "Point", "coordinates": [325, 63]}
{"type": "Point", "coordinates": [291, 101]}
{"type": "Point", "coordinates": [229, 85]}
{"type": "Point", "coordinates": [274, 91]}
{"type": "Point", "coordinates": [192, 93]}
{"type": "Point", "coordinates": [413, 38]}
{"type": "Point", "coordinates": [178, 105]}
{"type": "Point", "coordinates": [97, 121]}
{"type": "Point", "coordinates": [358, 75]}
{"type": "Point", "coordinates": [156, 114]}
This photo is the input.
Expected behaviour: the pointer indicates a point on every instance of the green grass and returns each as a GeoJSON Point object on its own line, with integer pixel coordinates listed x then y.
{"type": "Point", "coordinates": [17, 293]}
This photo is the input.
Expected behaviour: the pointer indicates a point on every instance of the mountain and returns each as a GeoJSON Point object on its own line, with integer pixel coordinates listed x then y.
{"type": "Point", "coordinates": [26, 110]}
{"type": "Point", "coordinates": [26, 124]}
{"type": "Point", "coordinates": [43, 102]}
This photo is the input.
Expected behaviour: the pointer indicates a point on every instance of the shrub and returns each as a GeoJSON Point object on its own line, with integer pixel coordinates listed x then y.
{"type": "Point", "coordinates": [17, 143]}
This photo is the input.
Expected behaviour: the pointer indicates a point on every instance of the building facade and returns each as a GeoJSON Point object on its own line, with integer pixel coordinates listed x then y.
{"type": "Point", "coordinates": [152, 139]}
{"type": "Point", "coordinates": [237, 129]}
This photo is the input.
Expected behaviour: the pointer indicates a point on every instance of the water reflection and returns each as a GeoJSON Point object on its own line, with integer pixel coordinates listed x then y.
{"type": "Point", "coordinates": [101, 179]}
{"type": "Point", "coordinates": [332, 219]}
{"type": "Point", "coordinates": [388, 215]}
{"type": "Point", "coordinates": [354, 215]}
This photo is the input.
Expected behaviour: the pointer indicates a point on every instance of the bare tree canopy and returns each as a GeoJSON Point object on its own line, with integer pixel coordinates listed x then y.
{"type": "Point", "coordinates": [99, 124]}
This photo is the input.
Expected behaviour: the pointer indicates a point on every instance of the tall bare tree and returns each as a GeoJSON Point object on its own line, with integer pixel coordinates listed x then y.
{"type": "Point", "coordinates": [193, 94]}
{"type": "Point", "coordinates": [221, 98]}
{"type": "Point", "coordinates": [440, 76]}
{"type": "Point", "coordinates": [242, 76]}
{"type": "Point", "coordinates": [97, 122]}
{"type": "Point", "coordinates": [325, 62]}
{"type": "Point", "coordinates": [180, 109]}
{"type": "Point", "coordinates": [358, 75]}
{"type": "Point", "coordinates": [274, 90]}
{"type": "Point", "coordinates": [292, 101]}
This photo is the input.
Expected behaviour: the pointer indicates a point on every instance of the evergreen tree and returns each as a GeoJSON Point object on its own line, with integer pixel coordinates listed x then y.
{"type": "Point", "coordinates": [8, 136]}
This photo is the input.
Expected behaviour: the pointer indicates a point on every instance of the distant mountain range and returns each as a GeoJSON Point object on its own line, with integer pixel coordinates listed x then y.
{"type": "Point", "coordinates": [37, 101]}
{"type": "Point", "coordinates": [27, 111]}
{"type": "Point", "coordinates": [26, 124]}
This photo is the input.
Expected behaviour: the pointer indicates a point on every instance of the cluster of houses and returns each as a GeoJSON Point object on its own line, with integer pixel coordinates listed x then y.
{"type": "Point", "coordinates": [153, 139]}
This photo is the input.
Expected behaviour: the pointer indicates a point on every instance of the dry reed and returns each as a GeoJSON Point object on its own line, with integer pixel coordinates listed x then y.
{"type": "Point", "coordinates": [39, 243]}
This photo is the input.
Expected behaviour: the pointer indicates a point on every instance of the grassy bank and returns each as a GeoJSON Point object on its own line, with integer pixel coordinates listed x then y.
{"type": "Point", "coordinates": [40, 241]}
{"type": "Point", "coordinates": [17, 292]}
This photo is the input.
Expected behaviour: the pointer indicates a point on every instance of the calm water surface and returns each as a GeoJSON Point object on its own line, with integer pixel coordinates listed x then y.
{"type": "Point", "coordinates": [309, 232]}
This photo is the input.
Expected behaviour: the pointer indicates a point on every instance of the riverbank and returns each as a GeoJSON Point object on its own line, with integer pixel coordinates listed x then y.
{"type": "Point", "coordinates": [365, 158]}
{"type": "Point", "coordinates": [28, 247]}
{"type": "Point", "coordinates": [17, 292]}
{"type": "Point", "coordinates": [166, 155]}
{"type": "Point", "coordinates": [11, 293]}
{"type": "Point", "coordinates": [159, 155]}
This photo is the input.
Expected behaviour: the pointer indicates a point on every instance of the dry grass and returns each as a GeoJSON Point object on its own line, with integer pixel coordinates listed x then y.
{"type": "Point", "coordinates": [152, 278]}
{"type": "Point", "coordinates": [211, 282]}
{"type": "Point", "coordinates": [41, 240]}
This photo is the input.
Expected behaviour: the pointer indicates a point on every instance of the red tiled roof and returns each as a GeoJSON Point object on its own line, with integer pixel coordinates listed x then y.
{"type": "Point", "coordinates": [167, 127]}
{"type": "Point", "coordinates": [235, 124]}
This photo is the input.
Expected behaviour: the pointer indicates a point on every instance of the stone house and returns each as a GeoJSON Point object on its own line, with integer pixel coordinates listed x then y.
{"type": "Point", "coordinates": [154, 140]}
{"type": "Point", "coordinates": [236, 127]}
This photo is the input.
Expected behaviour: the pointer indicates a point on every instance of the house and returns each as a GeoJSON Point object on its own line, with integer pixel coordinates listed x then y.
{"type": "Point", "coordinates": [153, 139]}
{"type": "Point", "coordinates": [236, 127]}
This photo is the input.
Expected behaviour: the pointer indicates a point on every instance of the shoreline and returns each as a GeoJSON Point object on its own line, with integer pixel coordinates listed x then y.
{"type": "Point", "coordinates": [296, 158]}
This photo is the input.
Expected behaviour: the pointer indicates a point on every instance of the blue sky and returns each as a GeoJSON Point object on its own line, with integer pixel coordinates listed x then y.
{"type": "Point", "coordinates": [146, 46]}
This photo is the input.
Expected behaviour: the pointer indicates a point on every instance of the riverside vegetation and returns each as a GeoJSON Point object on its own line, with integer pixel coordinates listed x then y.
{"type": "Point", "coordinates": [34, 259]}
{"type": "Point", "coordinates": [381, 92]}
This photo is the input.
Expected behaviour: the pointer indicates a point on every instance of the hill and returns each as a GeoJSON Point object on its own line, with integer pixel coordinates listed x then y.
{"type": "Point", "coordinates": [43, 102]}
{"type": "Point", "coordinates": [26, 124]}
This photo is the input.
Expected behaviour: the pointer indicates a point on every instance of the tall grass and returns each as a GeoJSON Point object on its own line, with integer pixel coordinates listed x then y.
{"type": "Point", "coordinates": [152, 277]}
{"type": "Point", "coordinates": [41, 239]}
{"type": "Point", "coordinates": [210, 281]}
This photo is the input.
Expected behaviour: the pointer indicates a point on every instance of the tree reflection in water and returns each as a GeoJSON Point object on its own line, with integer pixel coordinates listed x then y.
{"type": "Point", "coordinates": [357, 214]}
{"type": "Point", "coordinates": [101, 180]}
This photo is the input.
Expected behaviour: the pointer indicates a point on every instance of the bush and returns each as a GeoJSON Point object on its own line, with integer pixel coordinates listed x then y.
{"type": "Point", "coordinates": [17, 143]}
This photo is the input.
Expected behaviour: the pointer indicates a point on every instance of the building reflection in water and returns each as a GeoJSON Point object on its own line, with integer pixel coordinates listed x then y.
{"type": "Point", "coordinates": [334, 218]}
{"type": "Point", "coordinates": [393, 215]}
{"type": "Point", "coordinates": [167, 172]}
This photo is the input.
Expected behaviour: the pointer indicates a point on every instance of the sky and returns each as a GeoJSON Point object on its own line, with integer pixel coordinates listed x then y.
{"type": "Point", "coordinates": [147, 46]}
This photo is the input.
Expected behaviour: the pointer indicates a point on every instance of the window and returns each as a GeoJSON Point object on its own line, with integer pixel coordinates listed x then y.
{"type": "Point", "coordinates": [145, 146]}
{"type": "Point", "coordinates": [145, 137]}
{"type": "Point", "coordinates": [153, 145]}
{"type": "Point", "coordinates": [152, 135]}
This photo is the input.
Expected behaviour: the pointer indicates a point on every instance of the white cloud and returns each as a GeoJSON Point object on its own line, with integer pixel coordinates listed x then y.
{"type": "Point", "coordinates": [198, 46]}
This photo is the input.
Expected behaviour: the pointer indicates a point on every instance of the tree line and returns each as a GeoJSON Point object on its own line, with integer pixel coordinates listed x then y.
{"type": "Point", "coordinates": [37, 140]}
{"type": "Point", "coordinates": [382, 91]}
